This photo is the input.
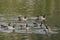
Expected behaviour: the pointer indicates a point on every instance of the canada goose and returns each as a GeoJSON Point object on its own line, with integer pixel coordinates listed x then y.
{"type": "Point", "coordinates": [25, 27]}
{"type": "Point", "coordinates": [42, 18]}
{"type": "Point", "coordinates": [45, 28]}
{"type": "Point", "coordinates": [48, 29]}
{"type": "Point", "coordinates": [8, 26]}
{"type": "Point", "coordinates": [22, 27]}
{"type": "Point", "coordinates": [21, 18]}
{"type": "Point", "coordinates": [2, 26]}
{"type": "Point", "coordinates": [24, 18]}
{"type": "Point", "coordinates": [11, 27]}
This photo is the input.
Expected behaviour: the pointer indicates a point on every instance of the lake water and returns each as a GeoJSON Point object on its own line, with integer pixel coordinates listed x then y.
{"type": "Point", "coordinates": [12, 18]}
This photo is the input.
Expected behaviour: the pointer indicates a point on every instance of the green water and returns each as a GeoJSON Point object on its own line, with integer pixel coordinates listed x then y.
{"type": "Point", "coordinates": [18, 36]}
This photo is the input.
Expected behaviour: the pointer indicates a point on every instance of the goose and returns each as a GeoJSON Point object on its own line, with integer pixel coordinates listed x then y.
{"type": "Point", "coordinates": [22, 18]}
{"type": "Point", "coordinates": [8, 26]}
{"type": "Point", "coordinates": [45, 28]}
{"type": "Point", "coordinates": [48, 27]}
{"type": "Point", "coordinates": [26, 27]}
{"type": "Point", "coordinates": [42, 18]}
{"type": "Point", "coordinates": [3, 26]}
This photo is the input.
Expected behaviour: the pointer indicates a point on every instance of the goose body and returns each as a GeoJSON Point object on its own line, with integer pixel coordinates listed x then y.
{"type": "Point", "coordinates": [10, 27]}
{"type": "Point", "coordinates": [42, 18]}
{"type": "Point", "coordinates": [23, 19]}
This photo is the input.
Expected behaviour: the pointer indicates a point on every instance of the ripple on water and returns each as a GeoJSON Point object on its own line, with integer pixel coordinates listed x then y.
{"type": "Point", "coordinates": [37, 31]}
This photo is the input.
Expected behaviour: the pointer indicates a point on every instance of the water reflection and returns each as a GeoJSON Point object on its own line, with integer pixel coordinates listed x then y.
{"type": "Point", "coordinates": [19, 30]}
